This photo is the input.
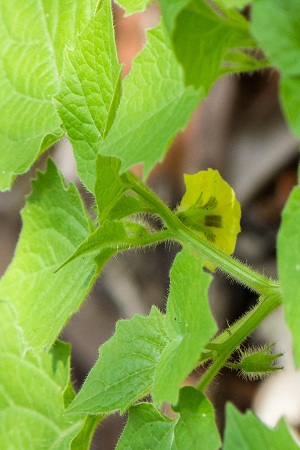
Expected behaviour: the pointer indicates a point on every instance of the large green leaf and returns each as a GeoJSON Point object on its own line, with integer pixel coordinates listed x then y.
{"type": "Point", "coordinates": [208, 41]}
{"type": "Point", "coordinates": [54, 224]}
{"type": "Point", "coordinates": [195, 427]}
{"type": "Point", "coordinates": [153, 354]}
{"type": "Point", "coordinates": [32, 392]}
{"type": "Point", "coordinates": [247, 432]}
{"type": "Point", "coordinates": [288, 245]}
{"type": "Point", "coordinates": [271, 19]}
{"type": "Point", "coordinates": [154, 106]}
{"type": "Point", "coordinates": [90, 91]}
{"type": "Point", "coordinates": [33, 35]}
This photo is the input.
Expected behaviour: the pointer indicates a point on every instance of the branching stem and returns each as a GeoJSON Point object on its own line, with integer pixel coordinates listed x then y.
{"type": "Point", "coordinates": [267, 288]}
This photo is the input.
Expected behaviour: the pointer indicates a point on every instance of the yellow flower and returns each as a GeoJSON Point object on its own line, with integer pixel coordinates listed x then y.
{"type": "Point", "coordinates": [209, 206]}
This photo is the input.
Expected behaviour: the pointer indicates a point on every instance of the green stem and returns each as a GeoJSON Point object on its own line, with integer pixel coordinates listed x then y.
{"type": "Point", "coordinates": [151, 239]}
{"type": "Point", "coordinates": [268, 288]}
{"type": "Point", "coordinates": [264, 308]}
{"type": "Point", "coordinates": [184, 235]}
{"type": "Point", "coordinates": [232, 266]}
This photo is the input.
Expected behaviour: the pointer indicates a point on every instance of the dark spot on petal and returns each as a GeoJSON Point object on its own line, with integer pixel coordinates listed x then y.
{"type": "Point", "coordinates": [213, 220]}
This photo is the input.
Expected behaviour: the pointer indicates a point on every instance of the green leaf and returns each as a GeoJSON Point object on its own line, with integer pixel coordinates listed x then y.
{"type": "Point", "coordinates": [106, 240]}
{"type": "Point", "coordinates": [33, 35]}
{"type": "Point", "coordinates": [195, 427]}
{"type": "Point", "coordinates": [153, 354]}
{"type": "Point", "coordinates": [189, 325]}
{"type": "Point", "coordinates": [290, 100]}
{"type": "Point", "coordinates": [134, 6]}
{"type": "Point", "coordinates": [90, 91]}
{"type": "Point", "coordinates": [32, 390]}
{"type": "Point", "coordinates": [10, 334]}
{"type": "Point", "coordinates": [124, 370]}
{"type": "Point", "coordinates": [270, 19]}
{"type": "Point", "coordinates": [288, 245]}
{"type": "Point", "coordinates": [240, 4]}
{"type": "Point", "coordinates": [273, 18]}
{"type": "Point", "coordinates": [113, 236]}
{"type": "Point", "coordinates": [154, 106]}
{"type": "Point", "coordinates": [247, 432]}
{"type": "Point", "coordinates": [213, 41]}
{"type": "Point", "coordinates": [147, 429]}
{"type": "Point", "coordinates": [83, 440]}
{"type": "Point", "coordinates": [54, 224]}
{"type": "Point", "coordinates": [128, 205]}
{"type": "Point", "coordinates": [109, 187]}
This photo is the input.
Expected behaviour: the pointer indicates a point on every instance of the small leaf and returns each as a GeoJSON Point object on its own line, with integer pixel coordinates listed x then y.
{"type": "Point", "coordinates": [109, 237]}
{"type": "Point", "coordinates": [125, 368]}
{"type": "Point", "coordinates": [128, 205]}
{"type": "Point", "coordinates": [90, 91]}
{"type": "Point", "coordinates": [248, 433]}
{"type": "Point", "coordinates": [195, 428]}
{"type": "Point", "coordinates": [109, 185]}
{"type": "Point", "coordinates": [147, 429]}
{"type": "Point", "coordinates": [209, 206]}
{"type": "Point", "coordinates": [288, 245]}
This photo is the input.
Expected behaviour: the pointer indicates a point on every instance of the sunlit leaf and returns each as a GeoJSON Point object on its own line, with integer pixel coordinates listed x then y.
{"type": "Point", "coordinates": [90, 91]}
{"type": "Point", "coordinates": [32, 392]}
{"type": "Point", "coordinates": [54, 224]}
{"type": "Point", "coordinates": [155, 105]}
{"type": "Point", "coordinates": [33, 36]}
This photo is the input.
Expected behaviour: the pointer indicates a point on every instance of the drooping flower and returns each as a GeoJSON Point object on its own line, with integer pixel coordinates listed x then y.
{"type": "Point", "coordinates": [209, 206]}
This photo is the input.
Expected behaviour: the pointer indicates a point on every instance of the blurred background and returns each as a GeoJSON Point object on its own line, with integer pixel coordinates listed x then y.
{"type": "Point", "coordinates": [239, 130]}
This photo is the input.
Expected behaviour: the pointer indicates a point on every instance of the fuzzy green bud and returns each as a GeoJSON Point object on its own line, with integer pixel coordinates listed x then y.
{"type": "Point", "coordinates": [256, 363]}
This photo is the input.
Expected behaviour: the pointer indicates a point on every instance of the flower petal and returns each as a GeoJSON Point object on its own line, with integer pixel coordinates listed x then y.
{"type": "Point", "coordinates": [209, 206]}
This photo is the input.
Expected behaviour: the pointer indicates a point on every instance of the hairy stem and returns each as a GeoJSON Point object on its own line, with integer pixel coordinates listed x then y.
{"type": "Point", "coordinates": [185, 236]}
{"type": "Point", "coordinates": [226, 348]}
